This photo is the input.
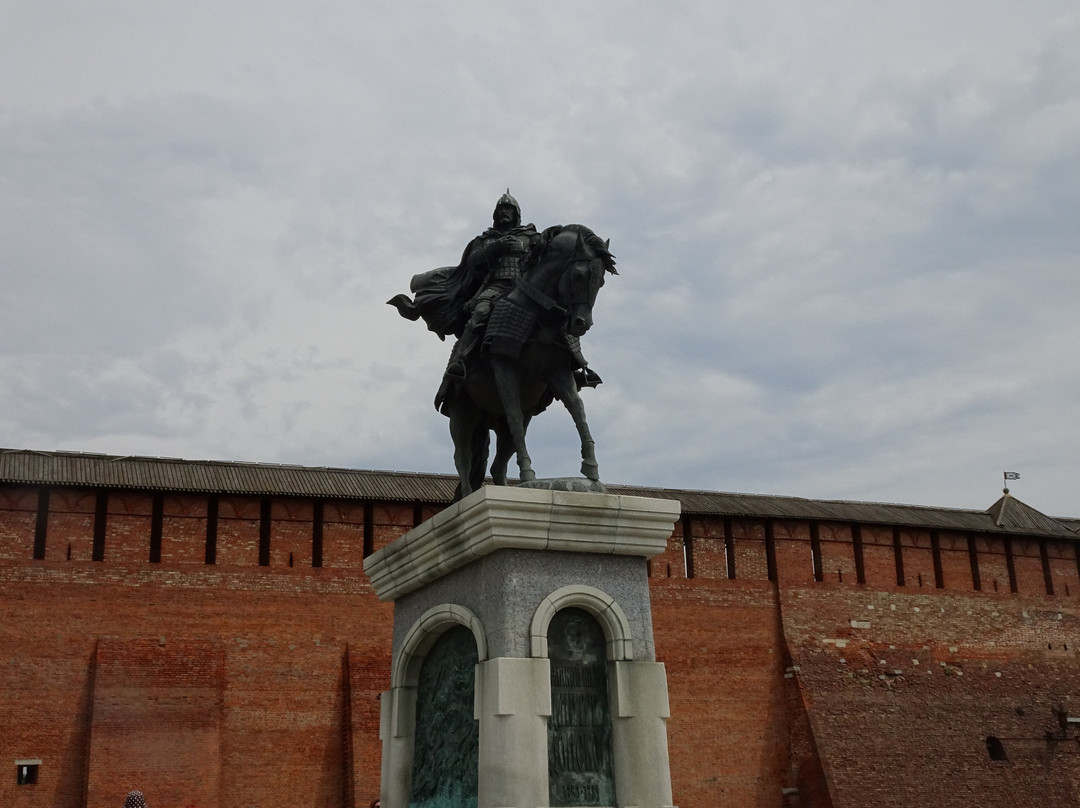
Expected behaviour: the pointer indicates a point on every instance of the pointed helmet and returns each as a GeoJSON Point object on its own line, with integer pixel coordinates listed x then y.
{"type": "Point", "coordinates": [506, 199]}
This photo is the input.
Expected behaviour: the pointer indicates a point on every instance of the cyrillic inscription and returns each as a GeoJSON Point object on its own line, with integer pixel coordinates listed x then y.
{"type": "Point", "coordinates": [579, 731]}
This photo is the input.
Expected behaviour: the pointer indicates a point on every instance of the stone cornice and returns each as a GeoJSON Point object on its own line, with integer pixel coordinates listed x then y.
{"type": "Point", "coordinates": [498, 517]}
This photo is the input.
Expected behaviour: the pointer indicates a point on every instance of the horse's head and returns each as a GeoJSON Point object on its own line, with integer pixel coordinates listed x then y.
{"type": "Point", "coordinates": [585, 260]}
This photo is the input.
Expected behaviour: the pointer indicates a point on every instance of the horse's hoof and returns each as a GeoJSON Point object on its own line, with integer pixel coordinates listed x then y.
{"type": "Point", "coordinates": [528, 476]}
{"type": "Point", "coordinates": [591, 471]}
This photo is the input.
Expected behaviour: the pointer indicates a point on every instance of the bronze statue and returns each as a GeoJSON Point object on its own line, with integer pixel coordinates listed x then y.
{"type": "Point", "coordinates": [518, 302]}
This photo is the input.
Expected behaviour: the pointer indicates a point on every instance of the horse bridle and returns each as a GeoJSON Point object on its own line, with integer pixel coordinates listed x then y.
{"type": "Point", "coordinates": [545, 302]}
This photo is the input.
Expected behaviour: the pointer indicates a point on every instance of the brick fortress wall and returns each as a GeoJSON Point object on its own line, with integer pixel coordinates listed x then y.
{"type": "Point", "coordinates": [228, 651]}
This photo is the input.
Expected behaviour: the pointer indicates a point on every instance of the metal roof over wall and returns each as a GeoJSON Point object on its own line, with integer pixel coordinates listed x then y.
{"type": "Point", "coordinates": [78, 469]}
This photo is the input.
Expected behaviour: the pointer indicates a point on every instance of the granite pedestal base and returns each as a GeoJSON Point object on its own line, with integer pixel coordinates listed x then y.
{"type": "Point", "coordinates": [503, 563]}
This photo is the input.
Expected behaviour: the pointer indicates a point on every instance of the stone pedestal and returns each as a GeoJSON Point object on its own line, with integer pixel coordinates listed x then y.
{"type": "Point", "coordinates": [503, 563]}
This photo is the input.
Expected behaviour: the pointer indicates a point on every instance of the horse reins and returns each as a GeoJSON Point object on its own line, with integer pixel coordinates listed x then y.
{"type": "Point", "coordinates": [544, 301]}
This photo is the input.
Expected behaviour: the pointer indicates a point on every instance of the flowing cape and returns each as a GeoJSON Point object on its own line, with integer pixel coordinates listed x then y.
{"type": "Point", "coordinates": [440, 295]}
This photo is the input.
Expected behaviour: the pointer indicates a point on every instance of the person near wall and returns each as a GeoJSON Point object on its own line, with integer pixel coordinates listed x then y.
{"type": "Point", "coordinates": [135, 799]}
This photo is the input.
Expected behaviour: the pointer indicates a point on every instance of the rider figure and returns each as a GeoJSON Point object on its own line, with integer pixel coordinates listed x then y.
{"type": "Point", "coordinates": [459, 300]}
{"type": "Point", "coordinates": [494, 260]}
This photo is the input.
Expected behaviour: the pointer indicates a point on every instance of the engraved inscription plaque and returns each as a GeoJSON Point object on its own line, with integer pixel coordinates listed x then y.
{"type": "Point", "coordinates": [579, 731]}
{"type": "Point", "coordinates": [446, 751]}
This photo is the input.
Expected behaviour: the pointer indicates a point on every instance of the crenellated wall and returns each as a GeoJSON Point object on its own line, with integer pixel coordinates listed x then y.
{"type": "Point", "coordinates": [227, 650]}
{"type": "Point", "coordinates": [792, 552]}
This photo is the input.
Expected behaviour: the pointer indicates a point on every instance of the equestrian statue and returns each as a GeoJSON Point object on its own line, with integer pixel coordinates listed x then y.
{"type": "Point", "coordinates": [518, 303]}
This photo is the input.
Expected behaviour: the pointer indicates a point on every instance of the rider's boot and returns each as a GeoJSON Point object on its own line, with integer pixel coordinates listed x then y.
{"type": "Point", "coordinates": [455, 368]}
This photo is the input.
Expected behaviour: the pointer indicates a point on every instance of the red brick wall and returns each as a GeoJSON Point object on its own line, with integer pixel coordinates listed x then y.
{"type": "Point", "coordinates": [1027, 561]}
{"type": "Point", "coordinates": [238, 684]}
{"type": "Point", "coordinates": [47, 686]}
{"type": "Point", "coordinates": [390, 521]}
{"type": "Point", "coordinates": [1063, 568]}
{"type": "Point", "coordinates": [838, 553]}
{"type": "Point", "coordinates": [71, 525]}
{"type": "Point", "coordinates": [918, 559]}
{"type": "Point", "coordinates": [127, 527]}
{"type": "Point", "coordinates": [343, 536]}
{"type": "Point", "coordinates": [879, 556]}
{"type": "Point", "coordinates": [19, 508]}
{"type": "Point", "coordinates": [303, 654]}
{"type": "Point", "coordinates": [290, 532]}
{"type": "Point", "coordinates": [238, 531]}
{"type": "Point", "coordinates": [750, 557]}
{"type": "Point", "coordinates": [156, 721]}
{"type": "Point", "coordinates": [993, 566]}
{"type": "Point", "coordinates": [709, 551]}
{"type": "Point", "coordinates": [728, 732]}
{"type": "Point", "coordinates": [183, 529]}
{"type": "Point", "coordinates": [901, 706]}
{"type": "Point", "coordinates": [794, 560]}
{"type": "Point", "coordinates": [285, 724]}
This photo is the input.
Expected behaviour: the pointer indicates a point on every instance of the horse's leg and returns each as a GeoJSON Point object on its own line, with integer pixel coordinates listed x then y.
{"type": "Point", "coordinates": [481, 443]}
{"type": "Point", "coordinates": [562, 383]}
{"type": "Point", "coordinates": [508, 383]}
{"type": "Point", "coordinates": [463, 425]}
{"type": "Point", "coordinates": [504, 448]}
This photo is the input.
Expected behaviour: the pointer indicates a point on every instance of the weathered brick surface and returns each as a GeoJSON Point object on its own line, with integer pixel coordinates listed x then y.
{"type": "Point", "coordinates": [918, 559]}
{"type": "Point", "coordinates": [19, 507]}
{"type": "Point", "coordinates": [238, 531]}
{"type": "Point", "coordinates": [127, 526]}
{"type": "Point", "coordinates": [284, 721]}
{"type": "Point", "coordinates": [901, 709]}
{"type": "Point", "coordinates": [156, 720]}
{"type": "Point", "coordinates": [235, 684]}
{"type": "Point", "coordinates": [879, 556]}
{"type": "Point", "coordinates": [343, 536]}
{"type": "Point", "coordinates": [1027, 562]}
{"type": "Point", "coordinates": [729, 722]}
{"type": "Point", "coordinates": [794, 560]}
{"type": "Point", "coordinates": [290, 533]}
{"type": "Point", "coordinates": [955, 561]}
{"type": "Point", "coordinates": [993, 565]}
{"type": "Point", "coordinates": [1063, 569]}
{"type": "Point", "coordinates": [183, 529]}
{"type": "Point", "coordinates": [750, 557]}
{"type": "Point", "coordinates": [71, 525]}
{"type": "Point", "coordinates": [837, 552]}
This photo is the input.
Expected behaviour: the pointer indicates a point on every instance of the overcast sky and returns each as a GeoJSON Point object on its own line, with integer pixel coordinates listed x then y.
{"type": "Point", "coordinates": [847, 233]}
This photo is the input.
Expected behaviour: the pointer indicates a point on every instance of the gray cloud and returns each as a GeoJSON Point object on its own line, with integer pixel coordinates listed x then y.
{"type": "Point", "coordinates": [846, 235]}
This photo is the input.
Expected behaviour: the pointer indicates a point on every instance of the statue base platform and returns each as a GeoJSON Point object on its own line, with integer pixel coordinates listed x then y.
{"type": "Point", "coordinates": [579, 484]}
{"type": "Point", "coordinates": [508, 564]}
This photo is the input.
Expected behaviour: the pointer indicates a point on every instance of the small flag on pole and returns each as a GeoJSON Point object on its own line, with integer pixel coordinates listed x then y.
{"type": "Point", "coordinates": [1012, 475]}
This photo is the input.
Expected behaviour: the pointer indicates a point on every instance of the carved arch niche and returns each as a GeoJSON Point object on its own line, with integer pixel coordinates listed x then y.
{"type": "Point", "coordinates": [582, 631]}
{"type": "Point", "coordinates": [432, 693]}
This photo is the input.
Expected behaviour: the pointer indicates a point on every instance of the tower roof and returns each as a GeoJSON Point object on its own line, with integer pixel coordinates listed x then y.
{"type": "Point", "coordinates": [1012, 514]}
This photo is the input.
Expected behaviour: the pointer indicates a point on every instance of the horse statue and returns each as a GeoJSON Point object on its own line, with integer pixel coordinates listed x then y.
{"type": "Point", "coordinates": [529, 357]}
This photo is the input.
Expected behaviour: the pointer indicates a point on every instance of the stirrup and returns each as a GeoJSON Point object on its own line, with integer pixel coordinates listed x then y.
{"type": "Point", "coordinates": [586, 377]}
{"type": "Point", "coordinates": [456, 371]}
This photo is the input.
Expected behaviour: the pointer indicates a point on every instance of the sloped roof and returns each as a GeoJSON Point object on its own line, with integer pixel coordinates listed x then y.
{"type": "Point", "coordinates": [215, 476]}
{"type": "Point", "coordinates": [868, 513]}
{"type": "Point", "coordinates": [1009, 512]}
{"type": "Point", "coordinates": [79, 469]}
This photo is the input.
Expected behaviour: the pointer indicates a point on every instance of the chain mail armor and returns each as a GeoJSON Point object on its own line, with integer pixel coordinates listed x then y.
{"type": "Point", "coordinates": [506, 267]}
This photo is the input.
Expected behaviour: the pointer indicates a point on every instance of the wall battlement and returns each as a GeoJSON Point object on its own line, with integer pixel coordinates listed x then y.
{"type": "Point", "coordinates": [223, 647]}
{"type": "Point", "coordinates": [137, 527]}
